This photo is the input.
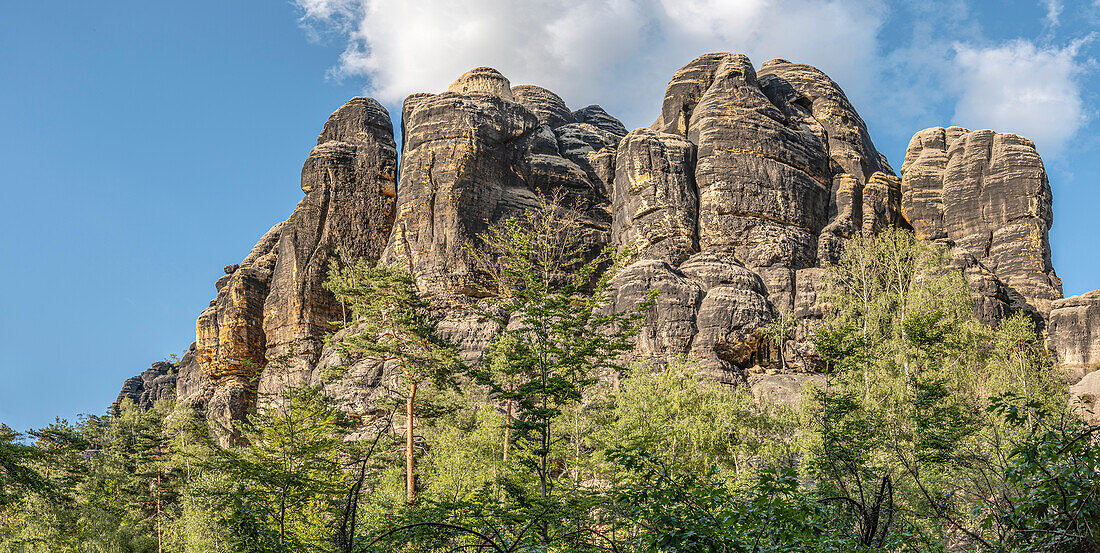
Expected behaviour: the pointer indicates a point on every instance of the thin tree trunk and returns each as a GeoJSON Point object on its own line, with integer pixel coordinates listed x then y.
{"type": "Point", "coordinates": [410, 467]}
{"type": "Point", "coordinates": [160, 543]}
{"type": "Point", "coordinates": [282, 516]}
{"type": "Point", "coordinates": [508, 426]}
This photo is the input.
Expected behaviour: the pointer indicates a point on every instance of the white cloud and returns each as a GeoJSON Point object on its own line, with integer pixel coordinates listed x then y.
{"type": "Point", "coordinates": [1022, 88]}
{"type": "Point", "coordinates": [621, 53]}
{"type": "Point", "coordinates": [618, 53]}
{"type": "Point", "coordinates": [1054, 11]}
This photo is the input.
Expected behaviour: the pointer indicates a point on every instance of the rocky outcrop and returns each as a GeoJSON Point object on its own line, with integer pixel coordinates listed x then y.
{"type": "Point", "coordinates": [734, 202]}
{"type": "Point", "coordinates": [1074, 331]}
{"type": "Point", "coordinates": [863, 193]}
{"type": "Point", "coordinates": [739, 192]}
{"type": "Point", "coordinates": [656, 205]}
{"type": "Point", "coordinates": [192, 384]}
{"type": "Point", "coordinates": [264, 330]}
{"type": "Point", "coordinates": [155, 383]}
{"type": "Point", "coordinates": [987, 195]}
{"type": "Point", "coordinates": [483, 152]}
{"type": "Point", "coordinates": [476, 155]}
{"type": "Point", "coordinates": [348, 208]}
{"type": "Point", "coordinates": [1074, 335]}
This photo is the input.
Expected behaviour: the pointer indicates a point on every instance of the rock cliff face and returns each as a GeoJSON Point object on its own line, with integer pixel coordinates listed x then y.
{"type": "Point", "coordinates": [264, 330]}
{"type": "Point", "coordinates": [987, 195]}
{"type": "Point", "coordinates": [743, 188]}
{"type": "Point", "coordinates": [734, 200]}
{"type": "Point", "coordinates": [478, 154]}
{"type": "Point", "coordinates": [1074, 336]}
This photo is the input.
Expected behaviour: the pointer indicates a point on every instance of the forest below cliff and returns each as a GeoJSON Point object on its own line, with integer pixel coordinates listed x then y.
{"type": "Point", "coordinates": [928, 429]}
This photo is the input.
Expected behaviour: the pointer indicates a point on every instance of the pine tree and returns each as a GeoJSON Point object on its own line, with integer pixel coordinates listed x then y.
{"type": "Point", "coordinates": [392, 324]}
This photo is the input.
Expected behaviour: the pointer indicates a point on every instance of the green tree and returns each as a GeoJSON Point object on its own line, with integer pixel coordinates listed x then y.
{"type": "Point", "coordinates": [901, 402]}
{"type": "Point", "coordinates": [1050, 497]}
{"type": "Point", "coordinates": [285, 488]}
{"type": "Point", "coordinates": [560, 336]}
{"type": "Point", "coordinates": [695, 426]}
{"type": "Point", "coordinates": [17, 474]}
{"type": "Point", "coordinates": [778, 331]}
{"type": "Point", "coordinates": [392, 324]}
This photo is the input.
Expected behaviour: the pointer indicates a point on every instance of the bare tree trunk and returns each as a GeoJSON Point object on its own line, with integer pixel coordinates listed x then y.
{"type": "Point", "coordinates": [160, 543]}
{"type": "Point", "coordinates": [410, 466]}
{"type": "Point", "coordinates": [508, 426]}
{"type": "Point", "coordinates": [282, 516]}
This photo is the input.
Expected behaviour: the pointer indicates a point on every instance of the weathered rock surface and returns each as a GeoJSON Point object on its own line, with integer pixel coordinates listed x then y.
{"type": "Point", "coordinates": [746, 184]}
{"type": "Point", "coordinates": [987, 195]}
{"type": "Point", "coordinates": [483, 152]}
{"type": "Point", "coordinates": [548, 107]}
{"type": "Point", "coordinates": [1073, 333]}
{"type": "Point", "coordinates": [735, 200]}
{"type": "Point", "coordinates": [192, 384]}
{"type": "Point", "coordinates": [155, 383]}
{"type": "Point", "coordinates": [863, 193]}
{"type": "Point", "coordinates": [349, 182]}
{"type": "Point", "coordinates": [656, 206]}
{"type": "Point", "coordinates": [271, 306]}
{"type": "Point", "coordinates": [784, 389]}
{"type": "Point", "coordinates": [1085, 396]}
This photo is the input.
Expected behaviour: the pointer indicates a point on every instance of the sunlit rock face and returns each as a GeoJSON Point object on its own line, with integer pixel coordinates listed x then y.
{"type": "Point", "coordinates": [987, 194]}
{"type": "Point", "coordinates": [746, 184]}
{"type": "Point", "coordinates": [271, 306]}
{"type": "Point", "coordinates": [734, 202]}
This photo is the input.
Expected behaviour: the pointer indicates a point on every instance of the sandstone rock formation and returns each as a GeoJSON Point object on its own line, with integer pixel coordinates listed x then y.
{"type": "Point", "coordinates": [270, 315]}
{"type": "Point", "coordinates": [746, 184]}
{"type": "Point", "coordinates": [483, 152]}
{"type": "Point", "coordinates": [156, 382]}
{"type": "Point", "coordinates": [1074, 335]}
{"type": "Point", "coordinates": [734, 201]}
{"type": "Point", "coordinates": [987, 195]}
{"type": "Point", "coordinates": [473, 155]}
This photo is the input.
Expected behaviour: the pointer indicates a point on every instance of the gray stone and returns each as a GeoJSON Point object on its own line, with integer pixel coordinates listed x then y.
{"type": "Point", "coordinates": [986, 193]}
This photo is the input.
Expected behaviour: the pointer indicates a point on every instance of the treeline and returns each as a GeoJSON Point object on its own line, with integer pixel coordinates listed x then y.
{"type": "Point", "coordinates": [927, 432]}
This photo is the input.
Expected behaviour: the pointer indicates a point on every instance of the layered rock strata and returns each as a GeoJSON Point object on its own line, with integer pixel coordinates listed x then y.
{"type": "Point", "coordinates": [733, 202]}
{"type": "Point", "coordinates": [264, 330]}
{"type": "Point", "coordinates": [480, 153]}
{"type": "Point", "coordinates": [987, 195]}
{"type": "Point", "coordinates": [1074, 335]}
{"type": "Point", "coordinates": [745, 185]}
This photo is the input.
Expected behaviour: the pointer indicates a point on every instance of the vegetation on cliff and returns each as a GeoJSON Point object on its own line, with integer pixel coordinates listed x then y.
{"type": "Point", "coordinates": [927, 431]}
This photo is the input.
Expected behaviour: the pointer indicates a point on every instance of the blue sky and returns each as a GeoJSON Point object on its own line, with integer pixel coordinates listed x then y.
{"type": "Point", "coordinates": [144, 145]}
